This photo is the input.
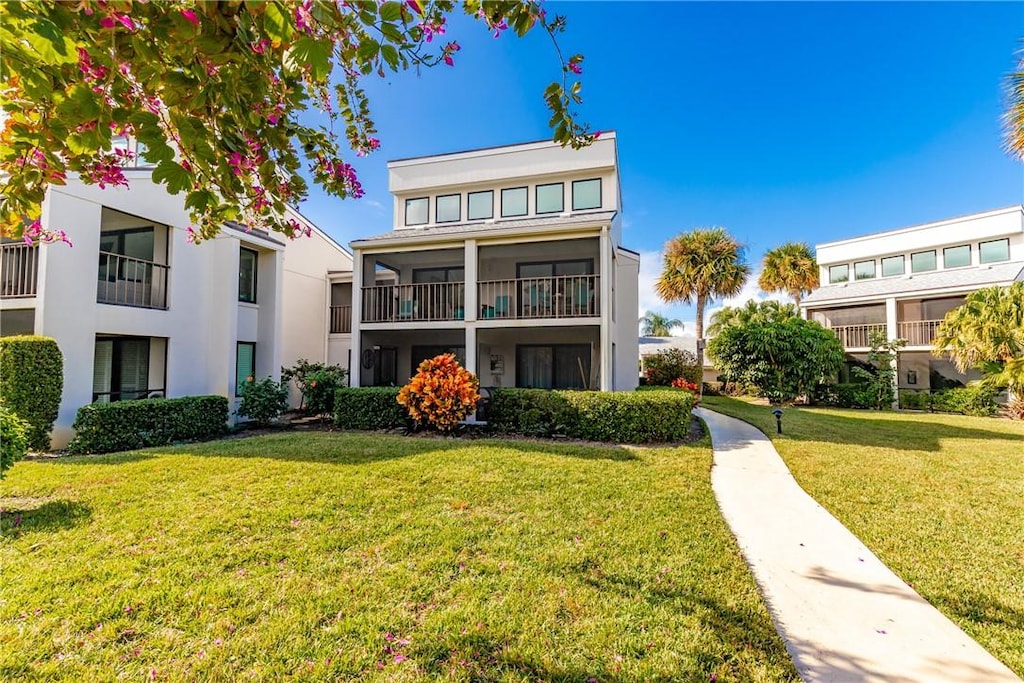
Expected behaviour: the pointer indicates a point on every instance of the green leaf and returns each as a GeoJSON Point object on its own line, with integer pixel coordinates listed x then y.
{"type": "Point", "coordinates": [276, 24]}
{"type": "Point", "coordinates": [172, 174]}
{"type": "Point", "coordinates": [50, 44]}
{"type": "Point", "coordinates": [368, 50]}
{"type": "Point", "coordinates": [391, 11]}
{"type": "Point", "coordinates": [81, 103]}
{"type": "Point", "coordinates": [390, 55]}
{"type": "Point", "coordinates": [315, 53]}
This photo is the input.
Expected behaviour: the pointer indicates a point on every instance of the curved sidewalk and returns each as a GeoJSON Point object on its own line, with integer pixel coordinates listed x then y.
{"type": "Point", "coordinates": [843, 614]}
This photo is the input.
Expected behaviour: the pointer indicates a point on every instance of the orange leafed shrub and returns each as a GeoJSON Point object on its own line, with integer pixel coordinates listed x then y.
{"type": "Point", "coordinates": [441, 393]}
{"type": "Point", "coordinates": [683, 383]}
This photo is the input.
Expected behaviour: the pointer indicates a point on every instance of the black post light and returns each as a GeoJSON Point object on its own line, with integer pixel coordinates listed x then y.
{"type": "Point", "coordinates": [778, 419]}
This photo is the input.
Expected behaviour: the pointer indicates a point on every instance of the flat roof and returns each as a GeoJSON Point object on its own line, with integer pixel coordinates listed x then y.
{"type": "Point", "coordinates": [922, 226]}
{"type": "Point", "coordinates": [531, 143]}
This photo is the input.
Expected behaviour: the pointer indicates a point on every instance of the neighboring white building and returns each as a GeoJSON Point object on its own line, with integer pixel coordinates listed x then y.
{"type": "Point", "coordinates": [903, 282]}
{"type": "Point", "coordinates": [510, 257]}
{"type": "Point", "coordinates": [138, 312]}
{"type": "Point", "coordinates": [651, 345]}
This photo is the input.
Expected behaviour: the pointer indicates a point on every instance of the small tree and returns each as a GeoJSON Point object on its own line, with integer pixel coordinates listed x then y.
{"type": "Point", "coordinates": [663, 367]}
{"type": "Point", "coordinates": [881, 380]}
{"type": "Point", "coordinates": [263, 400]}
{"type": "Point", "coordinates": [13, 439]}
{"type": "Point", "coordinates": [317, 382]}
{"type": "Point", "coordinates": [783, 360]}
{"type": "Point", "coordinates": [441, 393]}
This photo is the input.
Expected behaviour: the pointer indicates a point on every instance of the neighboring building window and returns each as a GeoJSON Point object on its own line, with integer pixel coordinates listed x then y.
{"type": "Point", "coordinates": [416, 211]}
{"type": "Point", "coordinates": [248, 261]}
{"type": "Point", "coordinates": [894, 265]}
{"type": "Point", "coordinates": [449, 208]}
{"type": "Point", "coordinates": [555, 366]}
{"type": "Point", "coordinates": [922, 262]}
{"type": "Point", "coordinates": [481, 205]}
{"type": "Point", "coordinates": [996, 250]}
{"type": "Point", "coordinates": [121, 369]}
{"type": "Point", "coordinates": [513, 202]}
{"type": "Point", "coordinates": [550, 198]}
{"type": "Point", "coordinates": [586, 194]}
{"type": "Point", "coordinates": [245, 365]}
{"type": "Point", "coordinates": [864, 270]}
{"type": "Point", "coordinates": [838, 274]}
{"type": "Point", "coordinates": [955, 257]}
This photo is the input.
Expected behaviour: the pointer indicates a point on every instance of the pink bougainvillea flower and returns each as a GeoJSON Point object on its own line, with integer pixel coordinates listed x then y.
{"type": "Point", "coordinates": [190, 15]}
{"type": "Point", "coordinates": [431, 29]}
{"type": "Point", "coordinates": [575, 67]}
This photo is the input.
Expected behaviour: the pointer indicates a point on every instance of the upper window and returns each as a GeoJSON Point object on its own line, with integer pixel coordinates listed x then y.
{"type": "Point", "coordinates": [894, 265]}
{"type": "Point", "coordinates": [996, 250]}
{"type": "Point", "coordinates": [247, 261]}
{"type": "Point", "coordinates": [550, 198]}
{"type": "Point", "coordinates": [838, 273]}
{"type": "Point", "coordinates": [449, 208]}
{"type": "Point", "coordinates": [586, 194]}
{"type": "Point", "coordinates": [922, 261]}
{"type": "Point", "coordinates": [416, 211]}
{"type": "Point", "coordinates": [954, 257]}
{"type": "Point", "coordinates": [513, 202]}
{"type": "Point", "coordinates": [864, 270]}
{"type": "Point", "coordinates": [481, 205]}
{"type": "Point", "coordinates": [245, 366]}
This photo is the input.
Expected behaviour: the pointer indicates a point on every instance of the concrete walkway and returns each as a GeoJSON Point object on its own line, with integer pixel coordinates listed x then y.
{"type": "Point", "coordinates": [843, 614]}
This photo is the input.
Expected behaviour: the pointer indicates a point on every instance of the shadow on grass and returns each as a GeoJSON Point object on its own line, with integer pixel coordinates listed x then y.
{"type": "Point", "coordinates": [21, 516]}
{"type": "Point", "coordinates": [856, 428]}
{"type": "Point", "coordinates": [354, 448]}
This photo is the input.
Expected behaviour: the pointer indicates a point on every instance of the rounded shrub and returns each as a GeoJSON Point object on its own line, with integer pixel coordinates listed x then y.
{"type": "Point", "coordinates": [263, 400]}
{"type": "Point", "coordinates": [31, 383]}
{"type": "Point", "coordinates": [13, 439]}
{"type": "Point", "coordinates": [441, 393]}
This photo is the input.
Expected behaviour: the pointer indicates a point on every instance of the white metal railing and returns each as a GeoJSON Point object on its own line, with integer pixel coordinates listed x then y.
{"type": "Point", "coordinates": [19, 270]}
{"type": "Point", "coordinates": [420, 302]}
{"type": "Point", "coordinates": [131, 281]}
{"type": "Point", "coordinates": [857, 336]}
{"type": "Point", "coordinates": [561, 296]}
{"type": "Point", "coordinates": [918, 332]}
{"type": "Point", "coordinates": [341, 319]}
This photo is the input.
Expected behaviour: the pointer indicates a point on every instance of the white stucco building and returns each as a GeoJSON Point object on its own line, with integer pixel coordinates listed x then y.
{"type": "Point", "coordinates": [138, 312]}
{"type": "Point", "coordinates": [903, 282]}
{"type": "Point", "coordinates": [510, 257]}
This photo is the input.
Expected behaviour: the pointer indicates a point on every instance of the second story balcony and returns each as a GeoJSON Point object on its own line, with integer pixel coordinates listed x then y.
{"type": "Point", "coordinates": [421, 302]}
{"type": "Point", "coordinates": [560, 296]}
{"type": "Point", "coordinates": [132, 268]}
{"type": "Point", "coordinates": [19, 270]}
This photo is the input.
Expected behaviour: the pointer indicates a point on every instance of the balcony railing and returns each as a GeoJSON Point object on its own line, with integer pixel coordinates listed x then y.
{"type": "Point", "coordinates": [562, 296]}
{"type": "Point", "coordinates": [129, 281]}
{"type": "Point", "coordinates": [341, 319]}
{"type": "Point", "coordinates": [421, 302]}
{"type": "Point", "coordinates": [19, 269]}
{"type": "Point", "coordinates": [918, 332]}
{"type": "Point", "coordinates": [857, 336]}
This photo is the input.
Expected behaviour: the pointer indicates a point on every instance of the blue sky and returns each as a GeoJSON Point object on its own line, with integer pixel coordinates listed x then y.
{"type": "Point", "coordinates": [790, 121]}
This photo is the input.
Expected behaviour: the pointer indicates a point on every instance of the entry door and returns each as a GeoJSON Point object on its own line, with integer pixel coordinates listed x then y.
{"type": "Point", "coordinates": [385, 370]}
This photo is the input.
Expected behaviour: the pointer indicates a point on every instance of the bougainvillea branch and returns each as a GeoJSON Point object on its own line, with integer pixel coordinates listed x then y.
{"type": "Point", "coordinates": [215, 95]}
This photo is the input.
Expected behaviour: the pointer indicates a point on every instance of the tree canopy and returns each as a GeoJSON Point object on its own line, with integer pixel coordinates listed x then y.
{"type": "Point", "coordinates": [1013, 119]}
{"type": "Point", "coordinates": [751, 312]}
{"type": "Point", "coordinates": [783, 359]}
{"type": "Point", "coordinates": [216, 94]}
{"type": "Point", "coordinates": [657, 325]}
{"type": "Point", "coordinates": [702, 265]}
{"type": "Point", "coordinates": [987, 333]}
{"type": "Point", "coordinates": [789, 268]}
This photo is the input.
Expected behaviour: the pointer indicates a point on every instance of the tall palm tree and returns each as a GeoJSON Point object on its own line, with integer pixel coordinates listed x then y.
{"type": "Point", "coordinates": [987, 332]}
{"type": "Point", "coordinates": [751, 312]}
{"type": "Point", "coordinates": [657, 325]}
{"type": "Point", "coordinates": [1013, 119]}
{"type": "Point", "coordinates": [789, 268]}
{"type": "Point", "coordinates": [702, 265]}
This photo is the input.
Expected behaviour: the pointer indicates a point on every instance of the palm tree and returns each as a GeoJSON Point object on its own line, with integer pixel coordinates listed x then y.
{"type": "Point", "coordinates": [702, 265]}
{"type": "Point", "coordinates": [789, 268]}
{"type": "Point", "coordinates": [1013, 119]}
{"type": "Point", "coordinates": [657, 325]}
{"type": "Point", "coordinates": [987, 332]}
{"type": "Point", "coordinates": [751, 312]}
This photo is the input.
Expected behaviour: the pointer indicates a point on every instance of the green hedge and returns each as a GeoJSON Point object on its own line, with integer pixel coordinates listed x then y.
{"type": "Point", "coordinates": [13, 439]}
{"type": "Point", "coordinates": [31, 383]}
{"type": "Point", "coordinates": [845, 395]}
{"type": "Point", "coordinates": [124, 425]}
{"type": "Point", "coordinates": [979, 401]}
{"type": "Point", "coordinates": [369, 408]}
{"type": "Point", "coordinates": [620, 417]}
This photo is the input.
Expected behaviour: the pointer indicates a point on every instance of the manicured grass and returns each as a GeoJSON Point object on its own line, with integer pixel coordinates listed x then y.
{"type": "Point", "coordinates": [363, 556]}
{"type": "Point", "coordinates": [939, 498]}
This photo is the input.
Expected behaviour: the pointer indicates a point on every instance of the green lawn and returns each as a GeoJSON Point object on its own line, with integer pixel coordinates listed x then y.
{"type": "Point", "coordinates": [316, 556]}
{"type": "Point", "coordinates": [939, 498]}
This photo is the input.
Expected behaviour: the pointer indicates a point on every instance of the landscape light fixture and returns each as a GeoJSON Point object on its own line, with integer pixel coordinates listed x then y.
{"type": "Point", "coordinates": [778, 419]}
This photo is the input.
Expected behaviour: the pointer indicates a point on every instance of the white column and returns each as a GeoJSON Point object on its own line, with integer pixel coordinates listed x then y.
{"type": "Point", "coordinates": [607, 293]}
{"type": "Point", "coordinates": [471, 350]}
{"type": "Point", "coordinates": [356, 364]}
{"type": "Point", "coordinates": [892, 332]}
{"type": "Point", "coordinates": [470, 297]}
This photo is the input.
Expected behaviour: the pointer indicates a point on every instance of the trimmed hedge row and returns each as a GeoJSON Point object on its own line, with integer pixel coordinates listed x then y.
{"type": "Point", "coordinates": [978, 401]}
{"type": "Point", "coordinates": [369, 408]}
{"type": "Point", "coordinates": [125, 425]}
{"type": "Point", "coordinates": [845, 395]}
{"type": "Point", "coordinates": [620, 417]}
{"type": "Point", "coordinates": [31, 383]}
